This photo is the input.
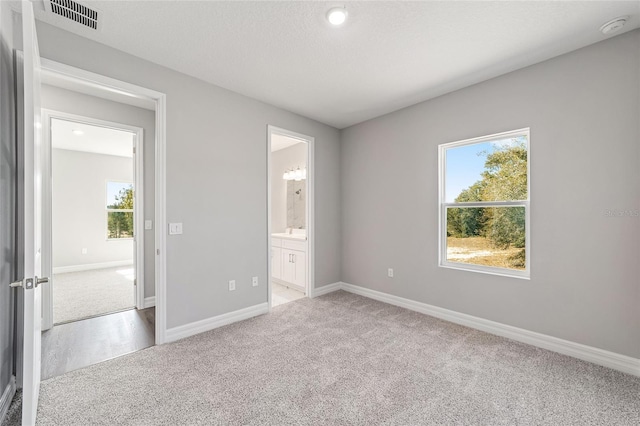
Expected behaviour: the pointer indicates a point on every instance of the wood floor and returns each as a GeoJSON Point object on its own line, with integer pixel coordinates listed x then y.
{"type": "Point", "coordinates": [78, 344]}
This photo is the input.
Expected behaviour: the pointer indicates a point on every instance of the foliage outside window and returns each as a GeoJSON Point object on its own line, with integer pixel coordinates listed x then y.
{"type": "Point", "coordinates": [119, 210]}
{"type": "Point", "coordinates": [484, 202]}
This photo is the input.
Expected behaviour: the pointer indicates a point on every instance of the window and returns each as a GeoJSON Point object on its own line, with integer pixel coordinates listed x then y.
{"type": "Point", "coordinates": [484, 204]}
{"type": "Point", "coordinates": [119, 210]}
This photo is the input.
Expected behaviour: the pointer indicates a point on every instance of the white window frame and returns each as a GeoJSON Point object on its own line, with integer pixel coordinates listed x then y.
{"type": "Point", "coordinates": [442, 219]}
{"type": "Point", "coordinates": [108, 210]}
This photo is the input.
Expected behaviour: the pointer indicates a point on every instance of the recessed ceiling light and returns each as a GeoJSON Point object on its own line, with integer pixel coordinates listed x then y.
{"type": "Point", "coordinates": [614, 25]}
{"type": "Point", "coordinates": [337, 16]}
{"type": "Point", "coordinates": [77, 132]}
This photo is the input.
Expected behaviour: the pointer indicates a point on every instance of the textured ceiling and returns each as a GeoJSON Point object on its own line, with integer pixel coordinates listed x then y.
{"type": "Point", "coordinates": [388, 55]}
{"type": "Point", "coordinates": [94, 139]}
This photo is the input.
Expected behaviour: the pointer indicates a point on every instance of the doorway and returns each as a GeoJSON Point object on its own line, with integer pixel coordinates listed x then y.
{"type": "Point", "coordinates": [95, 85]}
{"type": "Point", "coordinates": [94, 211]}
{"type": "Point", "coordinates": [98, 211]}
{"type": "Point", "coordinates": [93, 192]}
{"type": "Point", "coordinates": [290, 216]}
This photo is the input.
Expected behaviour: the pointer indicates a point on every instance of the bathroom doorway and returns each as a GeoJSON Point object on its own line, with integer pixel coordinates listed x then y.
{"type": "Point", "coordinates": [290, 217]}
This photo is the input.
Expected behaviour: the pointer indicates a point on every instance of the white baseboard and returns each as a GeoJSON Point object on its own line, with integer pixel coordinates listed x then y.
{"type": "Point", "coordinates": [149, 302]}
{"type": "Point", "coordinates": [91, 266]}
{"type": "Point", "coordinates": [7, 397]}
{"type": "Point", "coordinates": [609, 359]}
{"type": "Point", "coordinates": [326, 289]}
{"type": "Point", "coordinates": [177, 333]}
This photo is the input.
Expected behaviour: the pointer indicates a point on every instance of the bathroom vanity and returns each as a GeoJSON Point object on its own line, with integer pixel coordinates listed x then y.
{"type": "Point", "coordinates": [289, 260]}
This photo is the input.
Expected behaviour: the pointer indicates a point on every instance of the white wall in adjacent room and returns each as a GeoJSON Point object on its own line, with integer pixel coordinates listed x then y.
{"type": "Point", "coordinates": [79, 208]}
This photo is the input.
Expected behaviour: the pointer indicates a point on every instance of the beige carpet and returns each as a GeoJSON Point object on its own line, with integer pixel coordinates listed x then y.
{"type": "Point", "coordinates": [342, 359]}
{"type": "Point", "coordinates": [78, 295]}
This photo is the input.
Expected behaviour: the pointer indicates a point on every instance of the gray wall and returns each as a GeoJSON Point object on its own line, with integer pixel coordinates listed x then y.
{"type": "Point", "coordinates": [583, 110]}
{"type": "Point", "coordinates": [284, 159]}
{"type": "Point", "coordinates": [216, 181]}
{"type": "Point", "coordinates": [7, 194]}
{"type": "Point", "coordinates": [79, 207]}
{"type": "Point", "coordinates": [63, 100]}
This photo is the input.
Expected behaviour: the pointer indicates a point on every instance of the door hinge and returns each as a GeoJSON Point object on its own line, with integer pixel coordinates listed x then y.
{"type": "Point", "coordinates": [134, 149]}
{"type": "Point", "coordinates": [135, 281]}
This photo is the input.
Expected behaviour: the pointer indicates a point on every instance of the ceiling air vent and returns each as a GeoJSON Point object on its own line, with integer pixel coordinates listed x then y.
{"type": "Point", "coordinates": [74, 11]}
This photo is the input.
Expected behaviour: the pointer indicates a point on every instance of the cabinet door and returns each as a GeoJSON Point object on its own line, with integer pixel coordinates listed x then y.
{"type": "Point", "coordinates": [299, 273]}
{"type": "Point", "coordinates": [288, 271]}
{"type": "Point", "coordinates": [276, 262]}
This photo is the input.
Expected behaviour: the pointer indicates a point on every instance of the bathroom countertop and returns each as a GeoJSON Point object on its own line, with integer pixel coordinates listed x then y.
{"type": "Point", "coordinates": [298, 237]}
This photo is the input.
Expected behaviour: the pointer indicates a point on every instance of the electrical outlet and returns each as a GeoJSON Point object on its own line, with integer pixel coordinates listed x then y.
{"type": "Point", "coordinates": [254, 281]}
{"type": "Point", "coordinates": [84, 250]}
{"type": "Point", "coordinates": [232, 285]}
{"type": "Point", "coordinates": [390, 272]}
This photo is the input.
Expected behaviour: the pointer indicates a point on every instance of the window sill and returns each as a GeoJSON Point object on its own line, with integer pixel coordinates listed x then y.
{"type": "Point", "coordinates": [523, 275]}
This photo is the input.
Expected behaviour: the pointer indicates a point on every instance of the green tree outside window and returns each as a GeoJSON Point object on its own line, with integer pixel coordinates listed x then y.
{"type": "Point", "coordinates": [120, 210]}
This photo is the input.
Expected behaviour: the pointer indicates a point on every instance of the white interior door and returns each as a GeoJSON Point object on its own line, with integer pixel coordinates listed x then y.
{"type": "Point", "coordinates": [32, 217]}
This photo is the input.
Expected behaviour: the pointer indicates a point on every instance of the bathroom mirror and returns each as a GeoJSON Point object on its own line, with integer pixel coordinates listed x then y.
{"type": "Point", "coordinates": [296, 204]}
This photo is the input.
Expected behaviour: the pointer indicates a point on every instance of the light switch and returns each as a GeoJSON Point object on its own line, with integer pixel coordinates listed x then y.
{"type": "Point", "coordinates": [175, 228]}
{"type": "Point", "coordinates": [148, 224]}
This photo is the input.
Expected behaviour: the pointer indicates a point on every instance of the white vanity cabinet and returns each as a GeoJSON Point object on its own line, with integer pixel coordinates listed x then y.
{"type": "Point", "coordinates": [294, 267]}
{"type": "Point", "coordinates": [289, 262]}
{"type": "Point", "coordinates": [276, 259]}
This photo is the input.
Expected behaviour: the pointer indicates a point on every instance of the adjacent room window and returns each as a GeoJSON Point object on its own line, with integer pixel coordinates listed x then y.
{"type": "Point", "coordinates": [119, 210]}
{"type": "Point", "coordinates": [484, 204]}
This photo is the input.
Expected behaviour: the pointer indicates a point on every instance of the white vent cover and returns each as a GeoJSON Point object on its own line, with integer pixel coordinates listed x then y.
{"type": "Point", "coordinates": [75, 12]}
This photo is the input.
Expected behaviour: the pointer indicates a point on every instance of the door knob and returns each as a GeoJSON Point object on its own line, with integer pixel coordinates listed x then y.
{"type": "Point", "coordinates": [29, 283]}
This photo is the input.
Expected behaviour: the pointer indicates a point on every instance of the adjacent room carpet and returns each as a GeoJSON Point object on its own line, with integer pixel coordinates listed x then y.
{"type": "Point", "coordinates": [84, 294]}
{"type": "Point", "coordinates": [342, 359]}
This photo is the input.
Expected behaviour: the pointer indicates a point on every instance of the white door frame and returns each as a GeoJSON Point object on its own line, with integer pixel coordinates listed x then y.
{"type": "Point", "coordinates": [110, 84]}
{"type": "Point", "coordinates": [47, 213]}
{"type": "Point", "coordinates": [310, 212]}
